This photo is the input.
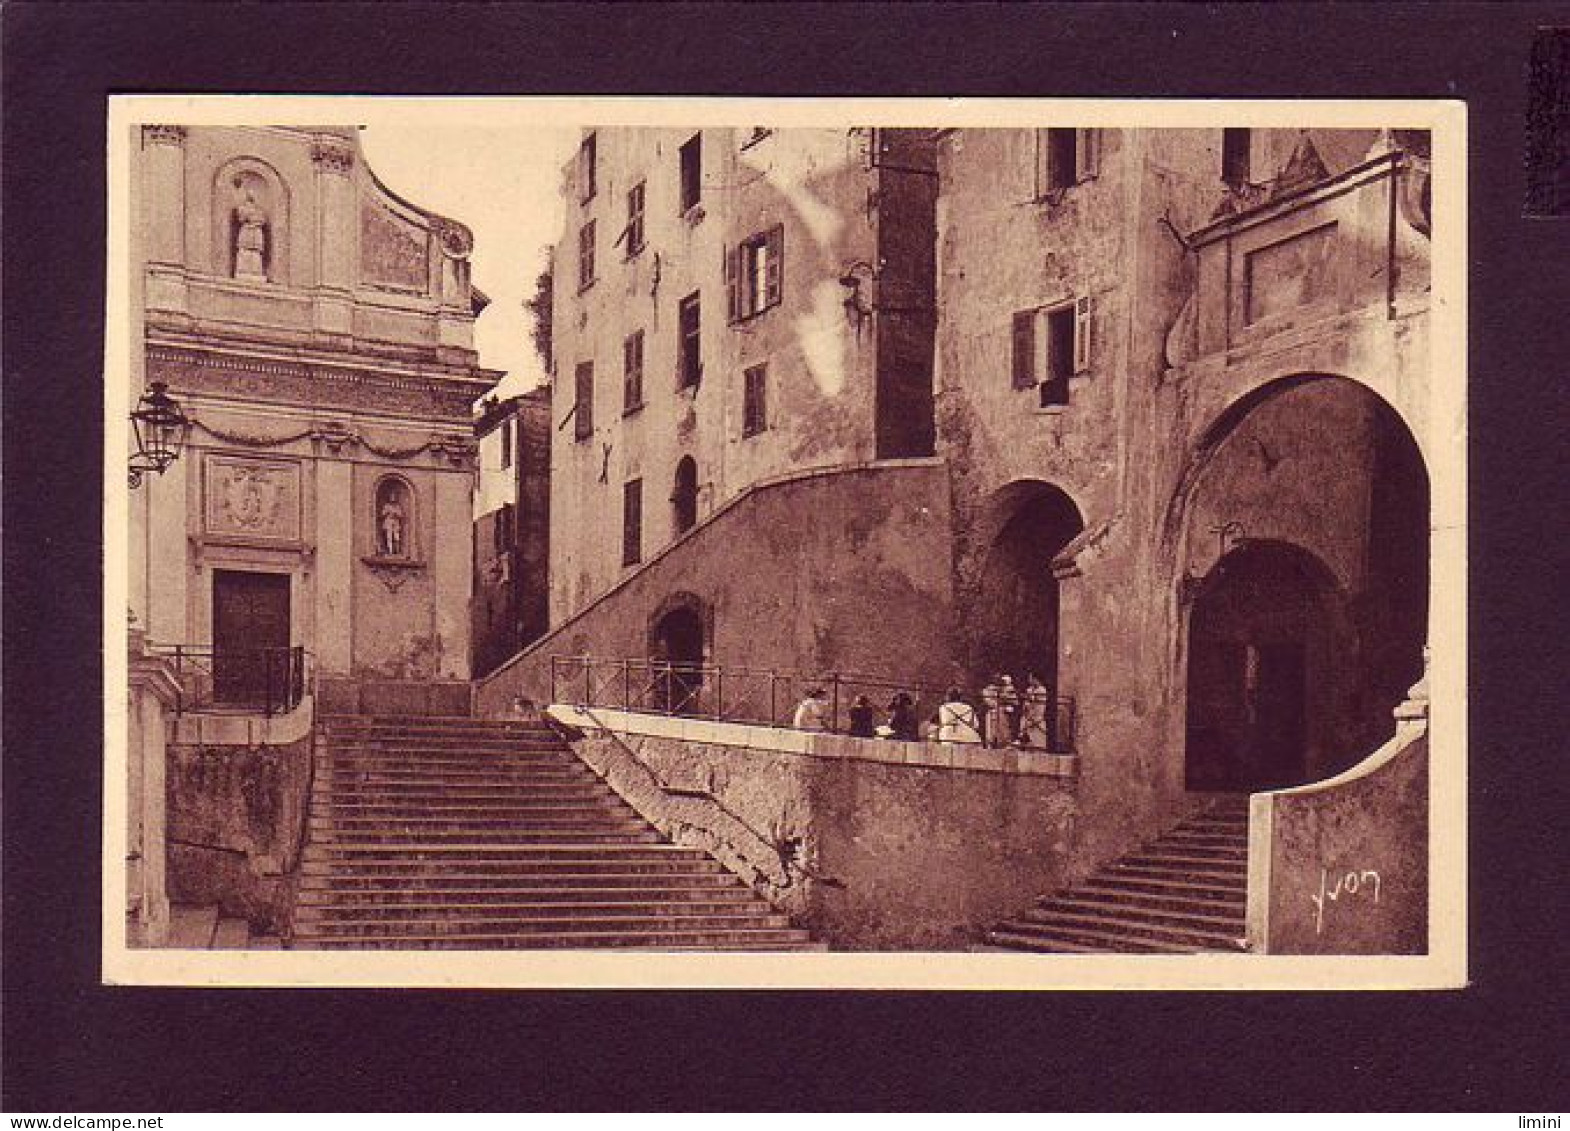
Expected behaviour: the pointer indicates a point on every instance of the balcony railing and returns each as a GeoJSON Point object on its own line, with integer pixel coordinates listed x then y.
{"type": "Point", "coordinates": [269, 680]}
{"type": "Point", "coordinates": [764, 697]}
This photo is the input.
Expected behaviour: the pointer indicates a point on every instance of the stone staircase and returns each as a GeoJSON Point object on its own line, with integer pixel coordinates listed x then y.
{"type": "Point", "coordinates": [460, 833]}
{"type": "Point", "coordinates": [1181, 894]}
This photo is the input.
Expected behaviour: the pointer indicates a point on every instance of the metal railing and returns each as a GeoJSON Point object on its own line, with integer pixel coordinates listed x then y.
{"type": "Point", "coordinates": [269, 680]}
{"type": "Point", "coordinates": [765, 697]}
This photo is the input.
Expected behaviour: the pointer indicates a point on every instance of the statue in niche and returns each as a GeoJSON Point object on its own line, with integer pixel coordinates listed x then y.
{"type": "Point", "coordinates": [392, 518]}
{"type": "Point", "coordinates": [250, 231]}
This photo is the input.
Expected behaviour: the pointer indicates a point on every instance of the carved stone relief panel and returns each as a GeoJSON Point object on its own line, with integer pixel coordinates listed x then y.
{"type": "Point", "coordinates": [392, 251]}
{"type": "Point", "coordinates": [253, 498]}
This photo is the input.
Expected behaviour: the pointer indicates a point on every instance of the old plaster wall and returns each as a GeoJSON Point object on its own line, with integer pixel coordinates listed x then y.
{"type": "Point", "coordinates": [867, 851]}
{"type": "Point", "coordinates": [817, 573]}
{"type": "Point", "coordinates": [1342, 867]}
{"type": "Point", "coordinates": [236, 825]}
{"type": "Point", "coordinates": [815, 185]}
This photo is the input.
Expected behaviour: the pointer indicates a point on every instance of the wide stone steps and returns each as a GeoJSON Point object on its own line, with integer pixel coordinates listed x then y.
{"type": "Point", "coordinates": [449, 833]}
{"type": "Point", "coordinates": [731, 938]}
{"type": "Point", "coordinates": [1184, 893]}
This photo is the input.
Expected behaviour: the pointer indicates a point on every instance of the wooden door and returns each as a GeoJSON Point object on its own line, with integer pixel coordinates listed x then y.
{"type": "Point", "coordinates": [250, 636]}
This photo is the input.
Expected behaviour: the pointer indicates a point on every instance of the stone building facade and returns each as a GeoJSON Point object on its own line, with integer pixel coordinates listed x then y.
{"type": "Point", "coordinates": [1181, 423]}
{"type": "Point", "coordinates": [731, 305]}
{"type": "Point", "coordinates": [510, 599]}
{"type": "Point", "coordinates": [315, 533]}
{"type": "Point", "coordinates": [318, 330]}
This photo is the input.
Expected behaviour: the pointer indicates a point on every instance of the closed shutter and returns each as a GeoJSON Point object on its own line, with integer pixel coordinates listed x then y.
{"type": "Point", "coordinates": [1025, 349]}
{"type": "Point", "coordinates": [774, 268]}
{"type": "Point", "coordinates": [1082, 323]}
{"type": "Point", "coordinates": [733, 284]}
{"type": "Point", "coordinates": [1087, 153]}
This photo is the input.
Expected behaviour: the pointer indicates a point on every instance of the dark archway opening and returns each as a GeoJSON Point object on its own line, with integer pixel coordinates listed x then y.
{"type": "Point", "coordinates": [1304, 637]}
{"type": "Point", "coordinates": [1017, 611]}
{"type": "Point", "coordinates": [1266, 630]}
{"type": "Point", "coordinates": [684, 495]}
{"type": "Point", "coordinates": [677, 653]}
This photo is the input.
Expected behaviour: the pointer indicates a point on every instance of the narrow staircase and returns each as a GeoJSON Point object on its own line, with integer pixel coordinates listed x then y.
{"type": "Point", "coordinates": [460, 833]}
{"type": "Point", "coordinates": [1182, 894]}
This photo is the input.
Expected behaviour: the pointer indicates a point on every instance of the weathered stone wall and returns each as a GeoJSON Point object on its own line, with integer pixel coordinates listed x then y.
{"type": "Point", "coordinates": [842, 571]}
{"type": "Point", "coordinates": [1341, 867]}
{"type": "Point", "coordinates": [817, 186]}
{"type": "Point", "coordinates": [236, 826]}
{"type": "Point", "coordinates": [871, 845]}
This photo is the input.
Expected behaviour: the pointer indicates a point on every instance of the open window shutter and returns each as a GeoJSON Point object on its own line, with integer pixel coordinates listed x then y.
{"type": "Point", "coordinates": [1082, 334]}
{"type": "Point", "coordinates": [1043, 171]}
{"type": "Point", "coordinates": [732, 284]}
{"type": "Point", "coordinates": [775, 265]}
{"type": "Point", "coordinates": [1087, 145]}
{"type": "Point", "coordinates": [1024, 349]}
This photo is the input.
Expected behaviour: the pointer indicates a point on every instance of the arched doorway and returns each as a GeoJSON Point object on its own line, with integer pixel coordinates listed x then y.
{"type": "Point", "coordinates": [1308, 558]}
{"type": "Point", "coordinates": [684, 495]}
{"type": "Point", "coordinates": [1017, 608]}
{"type": "Point", "coordinates": [1266, 629]}
{"type": "Point", "coordinates": [676, 652]}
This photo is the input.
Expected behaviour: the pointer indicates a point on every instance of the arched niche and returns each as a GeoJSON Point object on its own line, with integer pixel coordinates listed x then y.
{"type": "Point", "coordinates": [394, 520]}
{"type": "Point", "coordinates": [1325, 471]}
{"type": "Point", "coordinates": [250, 222]}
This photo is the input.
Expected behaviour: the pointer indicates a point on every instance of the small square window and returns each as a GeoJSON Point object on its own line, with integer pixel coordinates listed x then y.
{"type": "Point", "coordinates": [1065, 157]}
{"type": "Point", "coordinates": [1049, 347]}
{"type": "Point", "coordinates": [754, 400]}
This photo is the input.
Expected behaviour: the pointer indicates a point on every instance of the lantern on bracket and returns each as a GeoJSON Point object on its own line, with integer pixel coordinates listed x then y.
{"type": "Point", "coordinates": [161, 429]}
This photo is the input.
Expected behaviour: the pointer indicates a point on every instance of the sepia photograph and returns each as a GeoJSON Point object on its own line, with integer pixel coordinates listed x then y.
{"type": "Point", "coordinates": [1012, 544]}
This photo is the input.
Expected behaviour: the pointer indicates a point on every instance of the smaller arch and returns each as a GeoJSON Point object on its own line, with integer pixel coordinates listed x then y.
{"type": "Point", "coordinates": [680, 637]}
{"type": "Point", "coordinates": [684, 496]}
{"type": "Point", "coordinates": [250, 221]}
{"type": "Point", "coordinates": [394, 520]}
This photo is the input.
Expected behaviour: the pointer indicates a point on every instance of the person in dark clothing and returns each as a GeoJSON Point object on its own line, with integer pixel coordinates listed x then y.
{"type": "Point", "coordinates": [903, 724]}
{"type": "Point", "coordinates": [861, 718]}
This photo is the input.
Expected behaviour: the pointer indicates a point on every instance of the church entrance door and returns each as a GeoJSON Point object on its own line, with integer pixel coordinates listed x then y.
{"type": "Point", "coordinates": [250, 635]}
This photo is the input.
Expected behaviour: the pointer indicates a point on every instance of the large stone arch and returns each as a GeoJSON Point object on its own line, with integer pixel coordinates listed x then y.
{"type": "Point", "coordinates": [680, 644]}
{"type": "Point", "coordinates": [1325, 466]}
{"type": "Point", "coordinates": [1022, 528]}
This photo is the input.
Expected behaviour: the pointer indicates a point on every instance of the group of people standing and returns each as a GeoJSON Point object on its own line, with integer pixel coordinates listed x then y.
{"type": "Point", "coordinates": [1010, 716]}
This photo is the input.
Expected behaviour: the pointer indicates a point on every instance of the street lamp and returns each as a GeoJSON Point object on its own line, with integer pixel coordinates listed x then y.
{"type": "Point", "coordinates": [161, 429]}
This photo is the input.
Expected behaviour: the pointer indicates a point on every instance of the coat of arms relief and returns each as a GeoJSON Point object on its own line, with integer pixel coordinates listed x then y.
{"type": "Point", "coordinates": [252, 498]}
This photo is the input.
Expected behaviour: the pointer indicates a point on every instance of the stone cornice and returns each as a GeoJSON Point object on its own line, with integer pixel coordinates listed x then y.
{"type": "Point", "coordinates": [164, 135]}
{"type": "Point", "coordinates": [333, 157]}
{"type": "Point", "coordinates": [303, 381]}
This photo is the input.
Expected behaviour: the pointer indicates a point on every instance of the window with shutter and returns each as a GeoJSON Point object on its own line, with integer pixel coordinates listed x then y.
{"type": "Point", "coordinates": [1082, 324]}
{"type": "Point", "coordinates": [1087, 157]}
{"type": "Point", "coordinates": [583, 404]}
{"type": "Point", "coordinates": [754, 406]}
{"type": "Point", "coordinates": [586, 256]}
{"type": "Point", "coordinates": [1024, 334]}
{"type": "Point", "coordinates": [632, 522]}
{"type": "Point", "coordinates": [733, 307]}
{"type": "Point", "coordinates": [632, 374]}
{"type": "Point", "coordinates": [691, 172]}
{"type": "Point", "coordinates": [635, 219]}
{"type": "Point", "coordinates": [587, 172]}
{"type": "Point", "coordinates": [773, 277]}
{"type": "Point", "coordinates": [689, 359]}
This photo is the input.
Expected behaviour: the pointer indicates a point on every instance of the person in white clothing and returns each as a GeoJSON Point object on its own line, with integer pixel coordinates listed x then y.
{"type": "Point", "coordinates": [957, 720]}
{"type": "Point", "coordinates": [813, 712]}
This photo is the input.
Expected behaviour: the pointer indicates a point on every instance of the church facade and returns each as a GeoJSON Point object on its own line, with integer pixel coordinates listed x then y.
{"type": "Point", "coordinates": [315, 534]}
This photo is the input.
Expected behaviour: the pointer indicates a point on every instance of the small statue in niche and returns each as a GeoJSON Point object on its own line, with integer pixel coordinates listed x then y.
{"type": "Point", "coordinates": [250, 233]}
{"type": "Point", "coordinates": [391, 526]}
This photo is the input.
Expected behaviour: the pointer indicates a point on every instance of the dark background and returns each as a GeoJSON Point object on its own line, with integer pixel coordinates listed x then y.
{"type": "Point", "coordinates": [73, 1045]}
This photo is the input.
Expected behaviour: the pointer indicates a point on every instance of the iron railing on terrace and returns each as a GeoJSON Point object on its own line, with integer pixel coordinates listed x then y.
{"type": "Point", "coordinates": [269, 680]}
{"type": "Point", "coordinates": [762, 697]}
